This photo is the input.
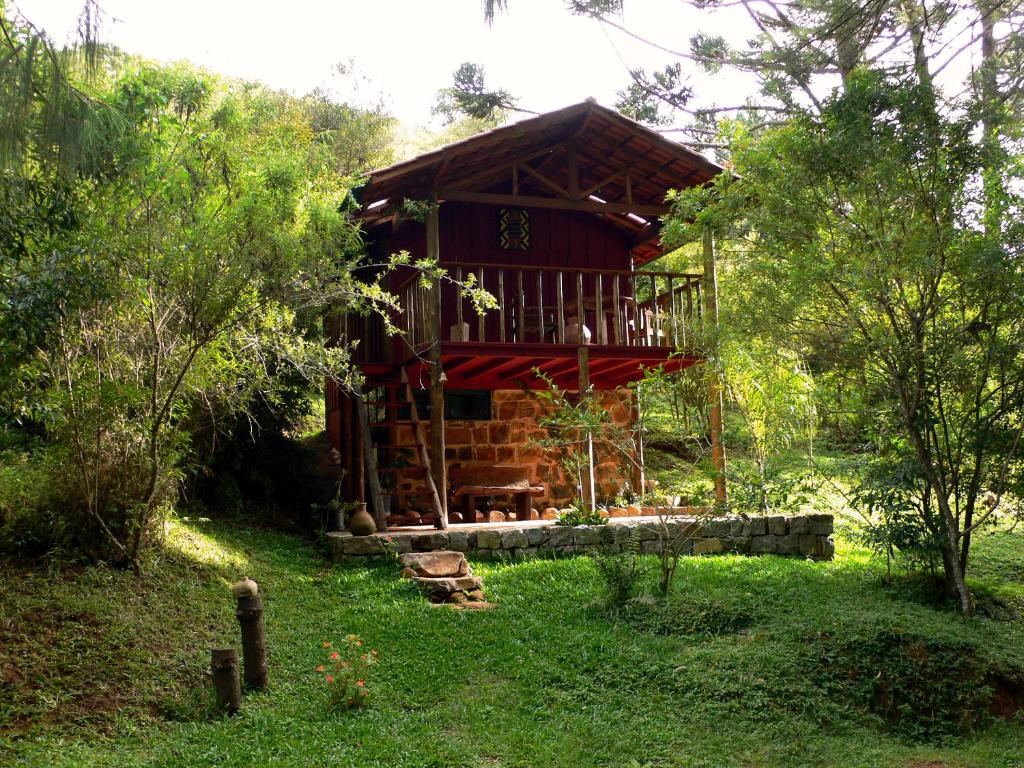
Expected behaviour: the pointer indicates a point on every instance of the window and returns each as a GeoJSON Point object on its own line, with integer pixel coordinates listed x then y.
{"type": "Point", "coordinates": [460, 404]}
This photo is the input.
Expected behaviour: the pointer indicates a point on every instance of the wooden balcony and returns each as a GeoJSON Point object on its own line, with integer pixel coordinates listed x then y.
{"type": "Point", "coordinates": [625, 319]}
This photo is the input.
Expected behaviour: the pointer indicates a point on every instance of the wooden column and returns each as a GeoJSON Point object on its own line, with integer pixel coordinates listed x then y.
{"type": "Point", "coordinates": [715, 391]}
{"type": "Point", "coordinates": [583, 361]}
{"type": "Point", "coordinates": [380, 518]}
{"type": "Point", "coordinates": [437, 459]}
{"type": "Point", "coordinates": [348, 452]}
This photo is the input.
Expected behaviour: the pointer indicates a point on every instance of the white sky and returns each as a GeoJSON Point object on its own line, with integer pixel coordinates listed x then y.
{"type": "Point", "coordinates": [408, 48]}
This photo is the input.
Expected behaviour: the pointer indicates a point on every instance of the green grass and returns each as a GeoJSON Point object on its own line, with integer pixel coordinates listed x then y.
{"type": "Point", "coordinates": [110, 671]}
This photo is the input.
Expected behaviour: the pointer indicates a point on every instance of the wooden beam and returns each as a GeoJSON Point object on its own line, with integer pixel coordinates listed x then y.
{"type": "Point", "coordinates": [424, 452]}
{"type": "Point", "coordinates": [376, 497]}
{"type": "Point", "coordinates": [606, 180]}
{"type": "Point", "coordinates": [436, 454]}
{"type": "Point", "coordinates": [583, 357]}
{"type": "Point", "coordinates": [348, 484]}
{"type": "Point", "coordinates": [544, 180]}
{"type": "Point", "coordinates": [527, 201]}
{"type": "Point", "coordinates": [574, 170]}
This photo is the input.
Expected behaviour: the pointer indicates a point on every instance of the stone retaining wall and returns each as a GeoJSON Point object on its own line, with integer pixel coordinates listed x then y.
{"type": "Point", "coordinates": [808, 536]}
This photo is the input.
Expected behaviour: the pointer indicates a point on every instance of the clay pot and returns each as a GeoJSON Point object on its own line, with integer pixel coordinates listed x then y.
{"type": "Point", "coordinates": [362, 523]}
{"type": "Point", "coordinates": [572, 333]}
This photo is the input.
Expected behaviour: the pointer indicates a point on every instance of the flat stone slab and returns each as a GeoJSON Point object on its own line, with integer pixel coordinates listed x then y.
{"type": "Point", "coordinates": [443, 562]}
{"type": "Point", "coordinates": [450, 584]}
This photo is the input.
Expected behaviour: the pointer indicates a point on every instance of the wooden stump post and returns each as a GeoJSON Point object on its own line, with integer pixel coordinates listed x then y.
{"type": "Point", "coordinates": [254, 639]}
{"type": "Point", "coordinates": [224, 669]}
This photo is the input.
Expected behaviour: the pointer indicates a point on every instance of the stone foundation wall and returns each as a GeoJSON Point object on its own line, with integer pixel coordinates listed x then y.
{"type": "Point", "coordinates": [510, 438]}
{"type": "Point", "coordinates": [808, 536]}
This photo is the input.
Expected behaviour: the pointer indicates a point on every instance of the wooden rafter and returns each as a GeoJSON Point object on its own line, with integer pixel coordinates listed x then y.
{"type": "Point", "coordinates": [528, 201]}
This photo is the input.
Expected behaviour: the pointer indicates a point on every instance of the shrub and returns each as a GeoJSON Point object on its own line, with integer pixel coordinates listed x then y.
{"type": "Point", "coordinates": [345, 673]}
{"type": "Point", "coordinates": [620, 577]}
{"type": "Point", "coordinates": [581, 514]}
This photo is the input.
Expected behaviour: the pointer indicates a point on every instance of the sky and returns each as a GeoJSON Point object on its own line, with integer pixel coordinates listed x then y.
{"type": "Point", "coordinates": [405, 50]}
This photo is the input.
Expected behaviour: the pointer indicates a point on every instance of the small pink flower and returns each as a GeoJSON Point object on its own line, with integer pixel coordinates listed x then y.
{"type": "Point", "coordinates": [326, 644]}
{"type": "Point", "coordinates": [335, 656]}
{"type": "Point", "coordinates": [320, 668]}
{"type": "Point", "coordinates": [329, 678]}
{"type": "Point", "coordinates": [360, 683]}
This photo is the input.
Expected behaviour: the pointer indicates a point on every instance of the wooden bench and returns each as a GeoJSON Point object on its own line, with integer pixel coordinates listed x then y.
{"type": "Point", "coordinates": [501, 480]}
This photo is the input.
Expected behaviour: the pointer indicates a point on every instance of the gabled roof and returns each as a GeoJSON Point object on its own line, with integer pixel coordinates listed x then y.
{"type": "Point", "coordinates": [619, 161]}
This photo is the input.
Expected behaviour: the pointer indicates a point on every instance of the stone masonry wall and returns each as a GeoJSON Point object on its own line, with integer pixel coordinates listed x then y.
{"type": "Point", "coordinates": [510, 438]}
{"type": "Point", "coordinates": [808, 536]}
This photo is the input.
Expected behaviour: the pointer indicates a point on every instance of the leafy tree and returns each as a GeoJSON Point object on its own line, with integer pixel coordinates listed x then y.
{"type": "Point", "coordinates": [863, 226]}
{"type": "Point", "coordinates": [167, 253]}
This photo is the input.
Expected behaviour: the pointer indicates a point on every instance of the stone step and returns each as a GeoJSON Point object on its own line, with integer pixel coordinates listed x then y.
{"type": "Point", "coordinates": [452, 589]}
{"type": "Point", "coordinates": [434, 564]}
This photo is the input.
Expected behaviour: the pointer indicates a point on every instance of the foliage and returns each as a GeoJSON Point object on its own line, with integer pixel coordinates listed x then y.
{"type": "Point", "coordinates": [621, 575]}
{"type": "Point", "coordinates": [774, 396]}
{"type": "Point", "coordinates": [469, 97]}
{"type": "Point", "coordinates": [346, 672]}
{"type": "Point", "coordinates": [174, 271]}
{"type": "Point", "coordinates": [580, 513]}
{"type": "Point", "coordinates": [865, 233]}
{"type": "Point", "coordinates": [890, 496]}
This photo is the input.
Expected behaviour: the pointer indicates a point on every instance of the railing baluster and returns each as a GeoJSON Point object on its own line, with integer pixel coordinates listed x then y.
{"type": "Point", "coordinates": [616, 310]}
{"type": "Point", "coordinates": [540, 306]}
{"type": "Point", "coordinates": [560, 301]}
{"type": "Point", "coordinates": [580, 309]}
{"type": "Point", "coordinates": [635, 334]}
{"type": "Point", "coordinates": [501, 304]}
{"type": "Point", "coordinates": [656, 317]}
{"type": "Point", "coordinates": [481, 316]}
{"type": "Point", "coordinates": [602, 329]}
{"type": "Point", "coordinates": [458, 305]}
{"type": "Point", "coordinates": [672, 310]}
{"type": "Point", "coordinates": [521, 319]}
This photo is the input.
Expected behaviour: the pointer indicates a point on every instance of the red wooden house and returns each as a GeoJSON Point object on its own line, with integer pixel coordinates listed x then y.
{"type": "Point", "coordinates": [555, 216]}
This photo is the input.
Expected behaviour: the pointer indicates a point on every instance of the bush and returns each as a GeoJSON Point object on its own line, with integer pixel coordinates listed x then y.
{"type": "Point", "coordinates": [620, 577]}
{"type": "Point", "coordinates": [580, 514]}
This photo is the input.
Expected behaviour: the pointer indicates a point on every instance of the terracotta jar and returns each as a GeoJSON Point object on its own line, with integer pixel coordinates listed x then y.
{"type": "Point", "coordinates": [362, 523]}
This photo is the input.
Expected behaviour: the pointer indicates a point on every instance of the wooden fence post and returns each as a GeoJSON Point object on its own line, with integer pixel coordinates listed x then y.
{"type": "Point", "coordinates": [224, 669]}
{"type": "Point", "coordinates": [254, 639]}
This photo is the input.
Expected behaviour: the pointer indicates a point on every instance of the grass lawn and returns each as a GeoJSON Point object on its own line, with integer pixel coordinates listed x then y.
{"type": "Point", "coordinates": [97, 668]}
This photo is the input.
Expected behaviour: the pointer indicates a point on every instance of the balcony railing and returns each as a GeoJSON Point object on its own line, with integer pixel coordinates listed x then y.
{"type": "Point", "coordinates": [556, 305]}
{"type": "Point", "coordinates": [536, 305]}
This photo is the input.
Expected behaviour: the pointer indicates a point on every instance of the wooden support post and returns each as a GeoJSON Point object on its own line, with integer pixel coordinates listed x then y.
{"type": "Point", "coordinates": [715, 392]}
{"type": "Point", "coordinates": [583, 361]}
{"type": "Point", "coordinates": [437, 458]}
{"type": "Point", "coordinates": [254, 639]}
{"type": "Point", "coordinates": [224, 670]}
{"type": "Point", "coordinates": [347, 450]}
{"type": "Point", "coordinates": [380, 518]}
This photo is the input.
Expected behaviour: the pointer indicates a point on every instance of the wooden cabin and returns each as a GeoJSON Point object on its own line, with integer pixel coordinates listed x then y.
{"type": "Point", "coordinates": [556, 216]}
